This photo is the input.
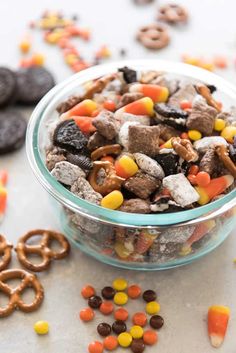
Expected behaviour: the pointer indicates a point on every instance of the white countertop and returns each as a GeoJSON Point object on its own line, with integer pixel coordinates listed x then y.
{"type": "Point", "coordinates": [184, 293]}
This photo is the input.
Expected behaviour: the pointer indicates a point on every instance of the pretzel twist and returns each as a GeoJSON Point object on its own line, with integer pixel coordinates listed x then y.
{"type": "Point", "coordinates": [206, 93]}
{"type": "Point", "coordinates": [14, 294]}
{"type": "Point", "coordinates": [111, 182]}
{"type": "Point", "coordinates": [42, 249]}
{"type": "Point", "coordinates": [105, 150]}
{"type": "Point", "coordinates": [5, 252]}
{"type": "Point", "coordinates": [223, 154]}
{"type": "Point", "coordinates": [184, 149]}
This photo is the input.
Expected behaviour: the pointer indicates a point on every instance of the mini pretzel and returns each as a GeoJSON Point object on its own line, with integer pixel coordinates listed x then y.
{"type": "Point", "coordinates": [43, 249]}
{"type": "Point", "coordinates": [173, 13]}
{"type": "Point", "coordinates": [111, 182]}
{"type": "Point", "coordinates": [105, 150]}
{"type": "Point", "coordinates": [5, 252]}
{"type": "Point", "coordinates": [184, 149]}
{"type": "Point", "coordinates": [154, 36]}
{"type": "Point", "coordinates": [223, 154]}
{"type": "Point", "coordinates": [14, 294]}
{"type": "Point", "coordinates": [206, 93]}
{"type": "Point", "coordinates": [98, 86]}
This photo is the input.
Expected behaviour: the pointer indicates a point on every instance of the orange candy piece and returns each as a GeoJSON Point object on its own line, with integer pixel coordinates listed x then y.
{"type": "Point", "coordinates": [84, 123]}
{"type": "Point", "coordinates": [139, 319]}
{"type": "Point", "coordinates": [95, 347]}
{"type": "Point", "coordinates": [3, 177]}
{"type": "Point", "coordinates": [157, 93]}
{"type": "Point", "coordinates": [109, 105]}
{"type": "Point", "coordinates": [193, 169]}
{"type": "Point", "coordinates": [108, 158]}
{"type": "Point", "coordinates": [203, 179]}
{"type": "Point", "coordinates": [134, 291]}
{"type": "Point", "coordinates": [218, 317]}
{"type": "Point", "coordinates": [143, 106]}
{"type": "Point", "coordinates": [84, 108]}
{"type": "Point", "coordinates": [184, 104]}
{"type": "Point", "coordinates": [200, 230]}
{"type": "Point", "coordinates": [106, 307]}
{"type": "Point", "coordinates": [150, 337]}
{"type": "Point", "coordinates": [110, 343]}
{"type": "Point", "coordinates": [121, 314]}
{"type": "Point", "coordinates": [86, 314]}
{"type": "Point", "coordinates": [87, 292]}
{"type": "Point", "coordinates": [192, 179]}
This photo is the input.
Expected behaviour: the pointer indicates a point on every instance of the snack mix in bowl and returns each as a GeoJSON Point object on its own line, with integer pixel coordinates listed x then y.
{"type": "Point", "coordinates": [142, 160]}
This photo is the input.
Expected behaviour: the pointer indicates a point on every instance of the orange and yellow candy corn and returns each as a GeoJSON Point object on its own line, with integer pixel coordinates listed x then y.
{"type": "Point", "coordinates": [158, 94]}
{"type": "Point", "coordinates": [214, 188]}
{"type": "Point", "coordinates": [84, 123]}
{"type": "Point", "coordinates": [144, 242]}
{"type": "Point", "coordinates": [3, 201]}
{"type": "Point", "coordinates": [84, 108]}
{"type": "Point", "coordinates": [218, 317]}
{"type": "Point", "coordinates": [143, 106]}
{"type": "Point", "coordinates": [125, 167]}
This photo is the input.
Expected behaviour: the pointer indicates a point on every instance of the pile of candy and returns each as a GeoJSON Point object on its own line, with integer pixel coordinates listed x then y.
{"type": "Point", "coordinates": [144, 143]}
{"type": "Point", "coordinates": [136, 338]}
{"type": "Point", "coordinates": [219, 62]}
{"type": "Point", "coordinates": [3, 193]}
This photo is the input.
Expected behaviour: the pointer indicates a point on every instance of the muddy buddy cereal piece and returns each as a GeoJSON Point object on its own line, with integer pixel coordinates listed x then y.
{"type": "Point", "coordinates": [181, 190]}
{"type": "Point", "coordinates": [83, 189]}
{"type": "Point", "coordinates": [186, 92]}
{"type": "Point", "coordinates": [41, 327]}
{"type": "Point", "coordinates": [106, 124]}
{"type": "Point", "coordinates": [127, 117]}
{"type": "Point", "coordinates": [209, 142]}
{"type": "Point", "coordinates": [177, 235]}
{"type": "Point", "coordinates": [209, 161]}
{"type": "Point", "coordinates": [123, 136]}
{"type": "Point", "coordinates": [135, 206]}
{"type": "Point", "coordinates": [153, 36]}
{"type": "Point", "coordinates": [173, 14]}
{"type": "Point", "coordinates": [142, 185]}
{"type": "Point", "coordinates": [95, 347]}
{"type": "Point", "coordinates": [144, 139]}
{"type": "Point", "coordinates": [53, 156]}
{"type": "Point", "coordinates": [86, 314]}
{"type": "Point", "coordinates": [110, 343]}
{"type": "Point", "coordinates": [67, 173]}
{"type": "Point", "coordinates": [155, 92]}
{"type": "Point", "coordinates": [218, 317]}
{"type": "Point", "coordinates": [124, 339]}
{"type": "Point", "coordinates": [202, 117]}
{"type": "Point", "coordinates": [87, 291]}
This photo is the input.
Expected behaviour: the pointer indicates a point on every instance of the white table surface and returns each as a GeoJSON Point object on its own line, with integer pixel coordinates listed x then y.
{"type": "Point", "coordinates": [184, 293]}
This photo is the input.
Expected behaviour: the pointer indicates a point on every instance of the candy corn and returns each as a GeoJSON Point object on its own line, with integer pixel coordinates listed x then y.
{"type": "Point", "coordinates": [157, 93]}
{"type": "Point", "coordinates": [143, 106]}
{"type": "Point", "coordinates": [3, 201]}
{"type": "Point", "coordinates": [84, 123]}
{"type": "Point", "coordinates": [218, 317]}
{"type": "Point", "coordinates": [145, 240]}
{"type": "Point", "coordinates": [214, 188]}
{"type": "Point", "coordinates": [84, 108]}
{"type": "Point", "coordinates": [3, 177]}
{"type": "Point", "coordinates": [125, 167]}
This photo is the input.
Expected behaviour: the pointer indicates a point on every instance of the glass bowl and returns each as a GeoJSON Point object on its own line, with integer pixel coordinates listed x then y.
{"type": "Point", "coordinates": [126, 240]}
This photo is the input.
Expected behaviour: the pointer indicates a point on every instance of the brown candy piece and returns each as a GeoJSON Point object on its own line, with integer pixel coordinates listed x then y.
{"type": "Point", "coordinates": [172, 13]}
{"type": "Point", "coordinates": [149, 295]}
{"type": "Point", "coordinates": [108, 293]}
{"type": "Point", "coordinates": [106, 124]}
{"type": "Point", "coordinates": [95, 302]}
{"type": "Point", "coordinates": [142, 184]}
{"type": "Point", "coordinates": [42, 249]}
{"type": "Point", "coordinates": [137, 346]}
{"type": "Point", "coordinates": [28, 280]}
{"type": "Point", "coordinates": [144, 139]}
{"type": "Point", "coordinates": [5, 252]}
{"type": "Point", "coordinates": [153, 36]}
{"type": "Point", "coordinates": [104, 329]}
{"type": "Point", "coordinates": [156, 322]}
{"type": "Point", "coordinates": [119, 326]}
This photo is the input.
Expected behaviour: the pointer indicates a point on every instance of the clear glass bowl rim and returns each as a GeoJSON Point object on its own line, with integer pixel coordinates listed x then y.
{"type": "Point", "coordinates": [65, 197]}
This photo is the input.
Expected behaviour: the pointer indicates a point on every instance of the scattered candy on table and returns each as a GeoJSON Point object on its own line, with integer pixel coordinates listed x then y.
{"type": "Point", "coordinates": [120, 298]}
{"type": "Point", "coordinates": [121, 314]}
{"type": "Point", "coordinates": [110, 343]}
{"type": "Point", "coordinates": [88, 291]}
{"type": "Point", "coordinates": [218, 317]}
{"type": "Point", "coordinates": [124, 339]}
{"type": "Point", "coordinates": [86, 314]}
{"type": "Point", "coordinates": [41, 327]}
{"type": "Point", "coordinates": [152, 308]}
{"type": "Point", "coordinates": [139, 319]}
{"type": "Point", "coordinates": [3, 193]}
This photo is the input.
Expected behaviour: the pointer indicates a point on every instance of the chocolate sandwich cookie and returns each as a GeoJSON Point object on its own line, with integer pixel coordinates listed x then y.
{"type": "Point", "coordinates": [7, 86]}
{"type": "Point", "coordinates": [12, 131]}
{"type": "Point", "coordinates": [32, 84]}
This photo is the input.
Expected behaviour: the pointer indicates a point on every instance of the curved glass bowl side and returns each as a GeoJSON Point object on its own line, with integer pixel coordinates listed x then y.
{"type": "Point", "coordinates": [75, 204]}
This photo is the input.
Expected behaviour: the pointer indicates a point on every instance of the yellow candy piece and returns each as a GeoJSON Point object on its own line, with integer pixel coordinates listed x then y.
{"type": "Point", "coordinates": [194, 135]}
{"type": "Point", "coordinates": [120, 298]}
{"type": "Point", "coordinates": [136, 331]}
{"type": "Point", "coordinates": [113, 200]}
{"type": "Point", "coordinates": [119, 284]}
{"type": "Point", "coordinates": [121, 250]}
{"type": "Point", "coordinates": [186, 250]}
{"type": "Point", "coordinates": [41, 327]}
{"type": "Point", "coordinates": [25, 46]}
{"type": "Point", "coordinates": [38, 59]}
{"type": "Point", "coordinates": [124, 339]}
{"type": "Point", "coordinates": [228, 133]}
{"type": "Point", "coordinates": [152, 308]}
{"type": "Point", "coordinates": [219, 124]}
{"type": "Point", "coordinates": [129, 165]}
{"type": "Point", "coordinates": [70, 59]}
{"type": "Point", "coordinates": [167, 144]}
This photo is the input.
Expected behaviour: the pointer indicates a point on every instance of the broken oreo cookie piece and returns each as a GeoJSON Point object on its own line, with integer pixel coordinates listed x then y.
{"type": "Point", "coordinates": [171, 116]}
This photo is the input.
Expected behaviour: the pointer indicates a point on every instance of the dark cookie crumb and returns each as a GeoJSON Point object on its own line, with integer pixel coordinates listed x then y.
{"type": "Point", "coordinates": [128, 74]}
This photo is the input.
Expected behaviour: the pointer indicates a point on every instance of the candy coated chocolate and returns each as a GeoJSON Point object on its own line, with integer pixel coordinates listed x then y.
{"type": "Point", "coordinates": [137, 346]}
{"type": "Point", "coordinates": [94, 302]}
{"type": "Point", "coordinates": [156, 321]}
{"type": "Point", "coordinates": [149, 295]}
{"type": "Point", "coordinates": [119, 326]}
{"type": "Point", "coordinates": [104, 329]}
{"type": "Point", "coordinates": [108, 293]}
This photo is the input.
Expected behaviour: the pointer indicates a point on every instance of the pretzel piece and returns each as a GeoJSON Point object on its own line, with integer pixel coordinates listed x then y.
{"type": "Point", "coordinates": [223, 154]}
{"type": "Point", "coordinates": [42, 249]}
{"type": "Point", "coordinates": [5, 252]}
{"type": "Point", "coordinates": [14, 294]}
{"type": "Point", "coordinates": [184, 149]}
{"type": "Point", "coordinates": [173, 13]}
{"type": "Point", "coordinates": [206, 93]}
{"type": "Point", "coordinates": [111, 182]}
{"type": "Point", "coordinates": [105, 150]}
